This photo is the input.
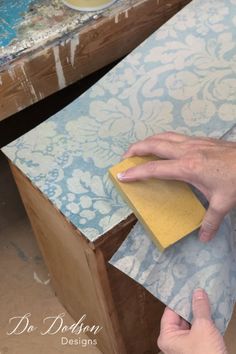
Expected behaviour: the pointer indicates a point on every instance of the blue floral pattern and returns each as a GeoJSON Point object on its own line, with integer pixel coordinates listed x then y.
{"type": "Point", "coordinates": [181, 78]}
{"type": "Point", "coordinates": [189, 264]}
{"type": "Point", "coordinates": [172, 276]}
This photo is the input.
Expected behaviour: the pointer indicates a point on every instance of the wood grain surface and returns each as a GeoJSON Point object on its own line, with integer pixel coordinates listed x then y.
{"type": "Point", "coordinates": [42, 71]}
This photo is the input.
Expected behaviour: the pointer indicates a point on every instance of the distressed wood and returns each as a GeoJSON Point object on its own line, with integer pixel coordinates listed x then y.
{"type": "Point", "coordinates": [39, 72]}
{"type": "Point", "coordinates": [86, 283]}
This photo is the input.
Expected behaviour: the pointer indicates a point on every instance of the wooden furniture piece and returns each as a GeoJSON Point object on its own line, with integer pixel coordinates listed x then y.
{"type": "Point", "coordinates": [55, 46]}
{"type": "Point", "coordinates": [84, 281]}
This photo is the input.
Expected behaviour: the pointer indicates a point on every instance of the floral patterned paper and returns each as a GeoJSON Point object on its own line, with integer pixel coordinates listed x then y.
{"type": "Point", "coordinates": [172, 276]}
{"type": "Point", "coordinates": [189, 264]}
{"type": "Point", "coordinates": [181, 78]}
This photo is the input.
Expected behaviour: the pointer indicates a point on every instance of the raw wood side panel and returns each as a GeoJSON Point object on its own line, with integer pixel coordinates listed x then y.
{"type": "Point", "coordinates": [40, 73]}
{"type": "Point", "coordinates": [139, 312]}
{"type": "Point", "coordinates": [72, 265]}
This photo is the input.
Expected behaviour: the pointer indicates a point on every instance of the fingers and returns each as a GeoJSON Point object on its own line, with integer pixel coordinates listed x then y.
{"type": "Point", "coordinates": [171, 136]}
{"type": "Point", "coordinates": [168, 145]}
{"type": "Point", "coordinates": [159, 147]}
{"type": "Point", "coordinates": [168, 169]}
{"type": "Point", "coordinates": [170, 320]}
{"type": "Point", "coordinates": [172, 325]}
{"type": "Point", "coordinates": [211, 222]}
{"type": "Point", "coordinates": [177, 137]}
{"type": "Point", "coordinates": [201, 305]}
{"type": "Point", "coordinates": [201, 309]}
{"type": "Point", "coordinates": [162, 145]}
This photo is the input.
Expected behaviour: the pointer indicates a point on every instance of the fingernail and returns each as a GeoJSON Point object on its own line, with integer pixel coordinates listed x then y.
{"type": "Point", "coordinates": [199, 294]}
{"type": "Point", "coordinates": [121, 176]}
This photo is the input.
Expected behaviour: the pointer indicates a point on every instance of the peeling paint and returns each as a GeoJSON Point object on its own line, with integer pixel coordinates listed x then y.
{"type": "Point", "coordinates": [73, 46]}
{"type": "Point", "coordinates": [12, 74]}
{"type": "Point", "coordinates": [59, 69]}
{"type": "Point", "coordinates": [39, 281]}
{"type": "Point", "coordinates": [28, 83]}
{"type": "Point", "coordinates": [44, 21]}
{"type": "Point", "coordinates": [18, 106]}
{"type": "Point", "coordinates": [41, 96]}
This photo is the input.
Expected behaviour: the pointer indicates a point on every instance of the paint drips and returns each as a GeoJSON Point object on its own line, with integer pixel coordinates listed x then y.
{"type": "Point", "coordinates": [59, 69]}
{"type": "Point", "coordinates": [27, 24]}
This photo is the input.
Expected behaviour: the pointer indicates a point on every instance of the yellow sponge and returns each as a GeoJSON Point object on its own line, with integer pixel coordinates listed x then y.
{"type": "Point", "coordinates": [169, 210]}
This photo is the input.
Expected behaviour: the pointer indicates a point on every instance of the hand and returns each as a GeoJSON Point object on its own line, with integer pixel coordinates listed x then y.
{"type": "Point", "coordinates": [176, 336]}
{"type": "Point", "coordinates": [207, 164]}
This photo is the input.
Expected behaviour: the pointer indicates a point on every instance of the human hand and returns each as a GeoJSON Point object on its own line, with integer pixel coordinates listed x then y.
{"type": "Point", "coordinates": [208, 164]}
{"type": "Point", "coordinates": [176, 336]}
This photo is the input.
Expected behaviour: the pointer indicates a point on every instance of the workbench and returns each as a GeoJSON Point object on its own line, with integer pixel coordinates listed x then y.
{"type": "Point", "coordinates": [46, 46]}
{"type": "Point", "coordinates": [181, 79]}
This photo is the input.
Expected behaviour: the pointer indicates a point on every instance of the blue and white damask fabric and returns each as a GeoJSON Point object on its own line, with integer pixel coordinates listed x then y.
{"type": "Point", "coordinates": [189, 264]}
{"type": "Point", "coordinates": [182, 78]}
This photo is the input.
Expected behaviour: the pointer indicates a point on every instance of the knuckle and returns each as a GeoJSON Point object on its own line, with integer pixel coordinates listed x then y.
{"type": "Point", "coordinates": [209, 227]}
{"type": "Point", "coordinates": [206, 325]}
{"type": "Point", "coordinates": [152, 143]}
{"type": "Point", "coordinates": [169, 134]}
{"type": "Point", "coordinates": [151, 167]}
{"type": "Point", "coordinates": [132, 147]}
{"type": "Point", "coordinates": [214, 210]}
{"type": "Point", "coordinates": [219, 206]}
{"type": "Point", "coordinates": [193, 163]}
{"type": "Point", "coordinates": [150, 137]}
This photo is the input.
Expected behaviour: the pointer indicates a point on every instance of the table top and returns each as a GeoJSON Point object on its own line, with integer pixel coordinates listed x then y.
{"type": "Point", "coordinates": [28, 24]}
{"type": "Point", "coordinates": [181, 78]}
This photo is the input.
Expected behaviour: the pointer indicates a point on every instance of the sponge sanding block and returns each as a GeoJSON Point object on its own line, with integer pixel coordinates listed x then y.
{"type": "Point", "coordinates": [169, 210]}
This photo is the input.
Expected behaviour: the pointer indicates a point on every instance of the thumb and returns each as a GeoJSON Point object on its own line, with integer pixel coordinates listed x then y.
{"type": "Point", "coordinates": [201, 305]}
{"type": "Point", "coordinates": [211, 223]}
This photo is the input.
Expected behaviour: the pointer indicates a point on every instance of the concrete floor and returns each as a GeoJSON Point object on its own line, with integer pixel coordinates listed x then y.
{"type": "Point", "coordinates": [25, 282]}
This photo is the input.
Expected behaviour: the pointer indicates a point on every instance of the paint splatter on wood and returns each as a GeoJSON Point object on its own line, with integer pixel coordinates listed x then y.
{"type": "Point", "coordinates": [27, 24]}
{"type": "Point", "coordinates": [59, 69]}
{"type": "Point", "coordinates": [73, 46]}
{"type": "Point", "coordinates": [39, 280]}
